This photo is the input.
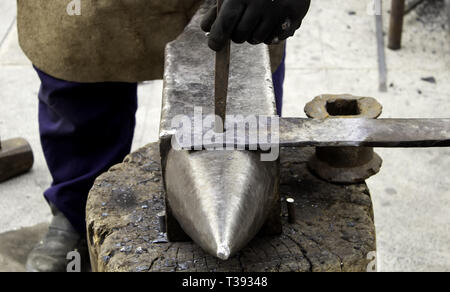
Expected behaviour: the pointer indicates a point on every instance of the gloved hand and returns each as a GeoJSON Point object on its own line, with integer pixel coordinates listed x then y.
{"type": "Point", "coordinates": [254, 21]}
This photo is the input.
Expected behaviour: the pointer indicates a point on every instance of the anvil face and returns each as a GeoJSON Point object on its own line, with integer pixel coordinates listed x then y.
{"type": "Point", "coordinates": [221, 198]}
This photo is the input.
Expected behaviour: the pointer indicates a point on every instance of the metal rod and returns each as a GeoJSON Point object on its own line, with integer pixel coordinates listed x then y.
{"type": "Point", "coordinates": [396, 24]}
{"type": "Point", "coordinates": [162, 221]}
{"type": "Point", "coordinates": [291, 210]}
{"type": "Point", "coordinates": [298, 132]}
{"type": "Point", "coordinates": [382, 69]}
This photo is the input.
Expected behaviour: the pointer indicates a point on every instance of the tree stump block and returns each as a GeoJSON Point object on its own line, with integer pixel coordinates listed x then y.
{"type": "Point", "coordinates": [334, 228]}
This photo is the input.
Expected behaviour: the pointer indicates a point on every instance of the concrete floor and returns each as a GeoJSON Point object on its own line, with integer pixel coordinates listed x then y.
{"type": "Point", "coordinates": [335, 52]}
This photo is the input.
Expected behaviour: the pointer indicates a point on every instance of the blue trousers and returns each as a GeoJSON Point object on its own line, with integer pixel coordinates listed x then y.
{"type": "Point", "coordinates": [86, 128]}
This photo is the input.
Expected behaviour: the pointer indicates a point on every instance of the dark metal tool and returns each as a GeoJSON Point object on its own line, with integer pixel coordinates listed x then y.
{"type": "Point", "coordinates": [222, 75]}
{"type": "Point", "coordinates": [16, 157]}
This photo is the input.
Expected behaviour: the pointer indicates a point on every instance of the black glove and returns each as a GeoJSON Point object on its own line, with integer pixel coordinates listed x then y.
{"type": "Point", "coordinates": [254, 21]}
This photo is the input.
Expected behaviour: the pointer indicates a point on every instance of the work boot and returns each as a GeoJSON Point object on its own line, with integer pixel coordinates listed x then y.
{"type": "Point", "coordinates": [49, 255]}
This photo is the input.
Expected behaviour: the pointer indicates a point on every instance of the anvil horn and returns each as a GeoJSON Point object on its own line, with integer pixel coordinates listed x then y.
{"type": "Point", "coordinates": [220, 198]}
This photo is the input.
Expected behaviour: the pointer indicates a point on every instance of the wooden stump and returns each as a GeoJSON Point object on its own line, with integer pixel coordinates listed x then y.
{"type": "Point", "coordinates": [334, 229]}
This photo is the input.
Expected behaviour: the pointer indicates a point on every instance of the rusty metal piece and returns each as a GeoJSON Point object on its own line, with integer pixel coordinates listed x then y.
{"type": "Point", "coordinates": [219, 199]}
{"type": "Point", "coordinates": [386, 133]}
{"type": "Point", "coordinates": [396, 24]}
{"type": "Point", "coordinates": [291, 210]}
{"type": "Point", "coordinates": [344, 164]}
{"type": "Point", "coordinates": [343, 106]}
{"type": "Point", "coordinates": [16, 157]}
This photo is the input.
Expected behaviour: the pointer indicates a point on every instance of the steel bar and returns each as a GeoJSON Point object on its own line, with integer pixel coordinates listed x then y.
{"type": "Point", "coordinates": [298, 132]}
{"type": "Point", "coordinates": [382, 68]}
{"type": "Point", "coordinates": [396, 24]}
{"type": "Point", "coordinates": [390, 133]}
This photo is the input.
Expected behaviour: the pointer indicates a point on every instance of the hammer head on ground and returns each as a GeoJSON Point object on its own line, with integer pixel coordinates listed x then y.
{"type": "Point", "coordinates": [16, 157]}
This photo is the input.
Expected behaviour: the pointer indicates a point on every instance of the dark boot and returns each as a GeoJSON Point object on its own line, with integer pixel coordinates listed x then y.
{"type": "Point", "coordinates": [49, 255]}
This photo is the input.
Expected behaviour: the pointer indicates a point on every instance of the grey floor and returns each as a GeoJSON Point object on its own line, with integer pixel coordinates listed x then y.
{"type": "Point", "coordinates": [335, 52]}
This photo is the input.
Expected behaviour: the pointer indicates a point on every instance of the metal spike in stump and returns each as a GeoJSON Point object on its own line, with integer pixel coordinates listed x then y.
{"type": "Point", "coordinates": [219, 199]}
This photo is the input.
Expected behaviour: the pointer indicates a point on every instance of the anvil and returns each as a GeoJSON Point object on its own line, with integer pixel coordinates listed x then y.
{"type": "Point", "coordinates": [223, 199]}
{"type": "Point", "coordinates": [220, 200]}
